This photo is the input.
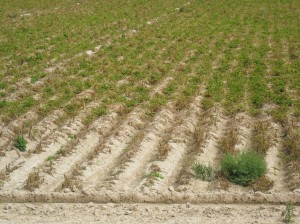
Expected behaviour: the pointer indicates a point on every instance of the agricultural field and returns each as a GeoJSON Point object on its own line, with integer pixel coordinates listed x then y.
{"type": "Point", "coordinates": [150, 101]}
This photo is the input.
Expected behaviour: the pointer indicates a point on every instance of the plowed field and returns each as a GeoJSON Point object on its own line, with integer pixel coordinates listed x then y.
{"type": "Point", "coordinates": [119, 101]}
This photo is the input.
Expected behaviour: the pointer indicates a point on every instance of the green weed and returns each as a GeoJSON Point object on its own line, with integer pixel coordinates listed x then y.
{"type": "Point", "coordinates": [21, 143]}
{"type": "Point", "coordinates": [288, 213]}
{"type": "Point", "coordinates": [204, 172]}
{"type": "Point", "coordinates": [154, 174]}
{"type": "Point", "coordinates": [243, 168]}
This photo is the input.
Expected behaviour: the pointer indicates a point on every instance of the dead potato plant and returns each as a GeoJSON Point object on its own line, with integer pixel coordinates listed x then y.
{"type": "Point", "coordinates": [263, 184]}
{"type": "Point", "coordinates": [3, 177]}
{"type": "Point", "coordinates": [220, 183]}
{"type": "Point", "coordinates": [292, 153]}
{"type": "Point", "coordinates": [293, 175]}
{"type": "Point", "coordinates": [185, 177]}
{"type": "Point", "coordinates": [33, 181]}
{"type": "Point", "coordinates": [181, 103]}
{"type": "Point", "coordinates": [49, 167]}
{"type": "Point", "coordinates": [229, 140]}
{"type": "Point", "coordinates": [185, 173]}
{"type": "Point", "coordinates": [71, 181]}
{"type": "Point", "coordinates": [163, 151]}
{"type": "Point", "coordinates": [292, 142]}
{"type": "Point", "coordinates": [262, 138]}
{"type": "Point", "coordinates": [38, 149]}
{"type": "Point", "coordinates": [4, 174]}
{"type": "Point", "coordinates": [2, 153]}
{"type": "Point", "coordinates": [199, 135]}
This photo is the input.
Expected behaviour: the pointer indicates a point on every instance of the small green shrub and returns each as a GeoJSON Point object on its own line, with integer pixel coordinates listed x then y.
{"type": "Point", "coordinates": [20, 143]}
{"type": "Point", "coordinates": [243, 168]}
{"type": "Point", "coordinates": [202, 171]}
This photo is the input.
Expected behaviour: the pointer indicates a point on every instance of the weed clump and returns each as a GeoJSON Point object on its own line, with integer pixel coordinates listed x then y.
{"type": "Point", "coordinates": [243, 168]}
{"type": "Point", "coordinates": [204, 172]}
{"type": "Point", "coordinates": [20, 143]}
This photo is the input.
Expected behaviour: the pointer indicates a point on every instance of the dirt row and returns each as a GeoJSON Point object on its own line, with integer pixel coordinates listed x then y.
{"type": "Point", "coordinates": [150, 213]}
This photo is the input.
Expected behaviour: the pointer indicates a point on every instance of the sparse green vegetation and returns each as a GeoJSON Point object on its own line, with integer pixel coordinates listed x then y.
{"type": "Point", "coordinates": [288, 213]}
{"type": "Point", "coordinates": [51, 158]}
{"type": "Point", "coordinates": [154, 174]}
{"type": "Point", "coordinates": [204, 172]}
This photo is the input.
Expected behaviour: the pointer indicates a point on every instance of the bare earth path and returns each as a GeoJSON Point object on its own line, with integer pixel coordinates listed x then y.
{"type": "Point", "coordinates": [142, 213]}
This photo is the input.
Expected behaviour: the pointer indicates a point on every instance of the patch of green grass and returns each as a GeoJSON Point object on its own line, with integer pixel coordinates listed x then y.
{"type": "Point", "coordinates": [258, 90]}
{"type": "Point", "coordinates": [235, 94]}
{"type": "Point", "coordinates": [3, 85]}
{"type": "Point", "coordinates": [2, 103]}
{"type": "Point", "coordinates": [215, 88]}
{"type": "Point", "coordinates": [156, 102]}
{"type": "Point", "coordinates": [37, 77]}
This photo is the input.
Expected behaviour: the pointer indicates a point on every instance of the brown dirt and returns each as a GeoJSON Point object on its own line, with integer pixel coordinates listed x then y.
{"type": "Point", "coordinates": [143, 213]}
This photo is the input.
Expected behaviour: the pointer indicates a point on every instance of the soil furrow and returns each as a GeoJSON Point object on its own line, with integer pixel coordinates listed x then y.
{"type": "Point", "coordinates": [97, 168]}
{"type": "Point", "coordinates": [81, 151]}
{"type": "Point", "coordinates": [92, 139]}
{"type": "Point", "coordinates": [32, 127]}
{"type": "Point", "coordinates": [181, 137]}
{"type": "Point", "coordinates": [57, 140]}
{"type": "Point", "coordinates": [210, 152]}
{"type": "Point", "coordinates": [276, 170]}
{"type": "Point", "coordinates": [114, 145]}
{"type": "Point", "coordinates": [130, 175]}
{"type": "Point", "coordinates": [207, 122]}
{"type": "Point", "coordinates": [244, 131]}
{"type": "Point", "coordinates": [39, 132]}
